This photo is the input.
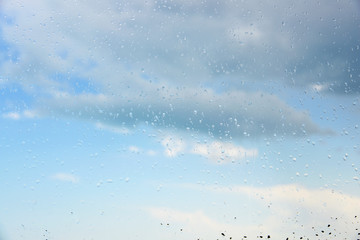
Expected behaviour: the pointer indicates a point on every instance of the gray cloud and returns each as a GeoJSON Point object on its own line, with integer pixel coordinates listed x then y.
{"type": "Point", "coordinates": [232, 115]}
{"type": "Point", "coordinates": [300, 43]}
{"type": "Point", "coordinates": [163, 61]}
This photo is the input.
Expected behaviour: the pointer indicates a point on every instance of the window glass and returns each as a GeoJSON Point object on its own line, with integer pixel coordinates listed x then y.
{"type": "Point", "coordinates": [179, 119]}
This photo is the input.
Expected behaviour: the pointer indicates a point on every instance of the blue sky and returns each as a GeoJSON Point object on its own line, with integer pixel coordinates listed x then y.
{"type": "Point", "coordinates": [179, 119]}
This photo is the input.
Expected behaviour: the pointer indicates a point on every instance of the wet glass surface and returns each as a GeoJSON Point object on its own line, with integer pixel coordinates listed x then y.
{"type": "Point", "coordinates": [179, 119]}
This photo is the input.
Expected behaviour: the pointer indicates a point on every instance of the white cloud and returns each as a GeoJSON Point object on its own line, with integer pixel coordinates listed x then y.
{"type": "Point", "coordinates": [319, 87]}
{"type": "Point", "coordinates": [115, 129]}
{"type": "Point", "coordinates": [138, 150]}
{"type": "Point", "coordinates": [65, 177]}
{"type": "Point", "coordinates": [222, 152]}
{"type": "Point", "coordinates": [173, 146]}
{"type": "Point", "coordinates": [295, 197]}
{"type": "Point", "coordinates": [29, 114]}
{"type": "Point", "coordinates": [310, 207]}
{"type": "Point", "coordinates": [19, 115]}
{"type": "Point", "coordinates": [151, 153]}
{"type": "Point", "coordinates": [134, 149]}
{"type": "Point", "coordinates": [280, 211]}
{"type": "Point", "coordinates": [12, 115]}
{"type": "Point", "coordinates": [216, 151]}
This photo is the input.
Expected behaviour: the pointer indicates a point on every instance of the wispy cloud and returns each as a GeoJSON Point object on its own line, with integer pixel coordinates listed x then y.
{"type": "Point", "coordinates": [121, 130]}
{"type": "Point", "coordinates": [11, 115]}
{"type": "Point", "coordinates": [221, 152]}
{"type": "Point", "coordinates": [19, 115]}
{"type": "Point", "coordinates": [134, 149]}
{"type": "Point", "coordinates": [65, 177]}
{"type": "Point", "coordinates": [295, 197]}
{"type": "Point", "coordinates": [151, 153]}
{"type": "Point", "coordinates": [280, 211]}
{"type": "Point", "coordinates": [138, 150]}
{"type": "Point", "coordinates": [173, 146]}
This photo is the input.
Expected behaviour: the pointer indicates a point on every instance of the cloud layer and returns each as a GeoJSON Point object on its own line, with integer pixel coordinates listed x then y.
{"type": "Point", "coordinates": [182, 41]}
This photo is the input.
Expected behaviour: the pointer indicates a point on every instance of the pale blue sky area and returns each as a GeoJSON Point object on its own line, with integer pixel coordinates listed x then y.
{"type": "Point", "coordinates": [179, 119]}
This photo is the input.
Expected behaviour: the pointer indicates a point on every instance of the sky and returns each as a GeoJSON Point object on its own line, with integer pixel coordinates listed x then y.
{"type": "Point", "coordinates": [179, 119]}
